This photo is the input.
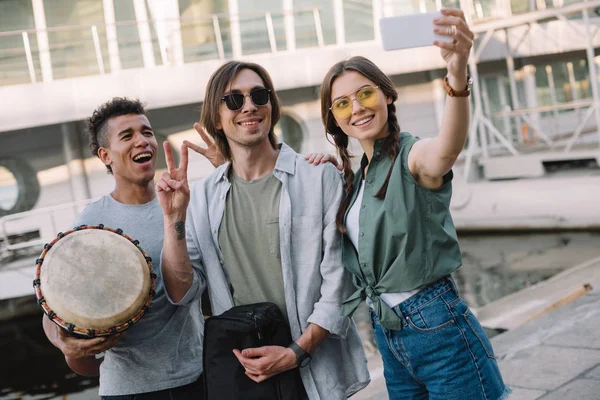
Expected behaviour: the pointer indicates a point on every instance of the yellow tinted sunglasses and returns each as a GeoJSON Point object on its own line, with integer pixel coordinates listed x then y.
{"type": "Point", "coordinates": [366, 97]}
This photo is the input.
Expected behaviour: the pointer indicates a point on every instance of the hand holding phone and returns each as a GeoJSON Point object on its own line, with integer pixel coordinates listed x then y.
{"type": "Point", "coordinates": [408, 31]}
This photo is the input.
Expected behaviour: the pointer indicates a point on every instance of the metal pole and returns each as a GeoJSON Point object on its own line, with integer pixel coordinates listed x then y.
{"type": "Point", "coordinates": [288, 22]}
{"type": "Point", "coordinates": [504, 102]}
{"type": "Point", "coordinates": [29, 58]}
{"type": "Point", "coordinates": [112, 40]}
{"type": "Point", "coordinates": [592, 67]}
{"type": "Point", "coordinates": [510, 67]}
{"type": "Point", "coordinates": [318, 27]}
{"type": "Point", "coordinates": [377, 15]}
{"type": "Point", "coordinates": [234, 28]}
{"type": "Point", "coordinates": [553, 100]}
{"type": "Point", "coordinates": [478, 105]}
{"type": "Point", "coordinates": [141, 16]}
{"type": "Point", "coordinates": [340, 29]}
{"type": "Point", "coordinates": [99, 59]}
{"type": "Point", "coordinates": [271, 32]}
{"type": "Point", "coordinates": [218, 37]}
{"type": "Point", "coordinates": [39, 16]}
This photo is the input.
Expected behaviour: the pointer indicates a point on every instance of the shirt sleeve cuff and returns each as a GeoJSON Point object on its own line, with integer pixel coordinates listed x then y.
{"type": "Point", "coordinates": [190, 295]}
{"type": "Point", "coordinates": [329, 317]}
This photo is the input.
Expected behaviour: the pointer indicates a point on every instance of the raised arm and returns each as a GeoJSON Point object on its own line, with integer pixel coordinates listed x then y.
{"type": "Point", "coordinates": [173, 193]}
{"type": "Point", "coordinates": [431, 159]}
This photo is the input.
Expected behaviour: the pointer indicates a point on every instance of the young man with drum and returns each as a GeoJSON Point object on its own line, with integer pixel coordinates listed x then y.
{"type": "Point", "coordinates": [262, 228]}
{"type": "Point", "coordinates": [161, 355]}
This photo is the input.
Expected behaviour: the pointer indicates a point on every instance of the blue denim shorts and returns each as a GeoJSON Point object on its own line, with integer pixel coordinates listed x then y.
{"type": "Point", "coordinates": [441, 352]}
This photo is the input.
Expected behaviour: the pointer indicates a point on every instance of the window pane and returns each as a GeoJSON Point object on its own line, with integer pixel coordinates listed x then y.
{"type": "Point", "coordinates": [72, 50]}
{"type": "Point", "coordinates": [16, 15]}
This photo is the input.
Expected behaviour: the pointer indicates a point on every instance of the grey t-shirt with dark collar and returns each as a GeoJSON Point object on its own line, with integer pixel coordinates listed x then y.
{"type": "Point", "coordinates": [164, 349]}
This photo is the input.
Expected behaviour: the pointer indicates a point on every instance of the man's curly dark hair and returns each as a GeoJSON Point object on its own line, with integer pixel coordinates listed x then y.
{"type": "Point", "coordinates": [98, 122]}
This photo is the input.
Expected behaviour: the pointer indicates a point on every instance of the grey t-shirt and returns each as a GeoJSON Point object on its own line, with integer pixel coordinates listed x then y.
{"type": "Point", "coordinates": [249, 240]}
{"type": "Point", "coordinates": [163, 349]}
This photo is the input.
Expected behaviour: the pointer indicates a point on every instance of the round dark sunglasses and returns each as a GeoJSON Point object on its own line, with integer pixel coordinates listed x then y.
{"type": "Point", "coordinates": [235, 101]}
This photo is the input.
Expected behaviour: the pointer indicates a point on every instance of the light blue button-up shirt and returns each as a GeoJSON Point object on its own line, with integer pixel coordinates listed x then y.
{"type": "Point", "coordinates": [315, 281]}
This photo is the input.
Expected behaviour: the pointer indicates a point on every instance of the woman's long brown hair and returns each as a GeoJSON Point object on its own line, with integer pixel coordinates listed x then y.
{"type": "Point", "coordinates": [370, 71]}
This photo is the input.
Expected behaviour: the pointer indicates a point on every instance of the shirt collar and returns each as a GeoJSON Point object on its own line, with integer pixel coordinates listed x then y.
{"type": "Point", "coordinates": [286, 162]}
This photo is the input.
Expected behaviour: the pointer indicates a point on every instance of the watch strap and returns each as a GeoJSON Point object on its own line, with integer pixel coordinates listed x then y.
{"type": "Point", "coordinates": [302, 357]}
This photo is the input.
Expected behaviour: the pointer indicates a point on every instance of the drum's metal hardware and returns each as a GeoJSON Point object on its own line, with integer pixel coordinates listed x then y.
{"type": "Point", "coordinates": [149, 259]}
{"type": "Point", "coordinates": [36, 282]}
{"type": "Point", "coordinates": [101, 226]}
{"type": "Point", "coordinates": [51, 315]}
{"type": "Point", "coordinates": [47, 246]}
{"type": "Point", "coordinates": [70, 328]}
{"type": "Point", "coordinates": [136, 242]}
{"type": "Point", "coordinates": [39, 261]}
{"type": "Point", "coordinates": [41, 301]}
{"type": "Point", "coordinates": [91, 333]}
{"type": "Point", "coordinates": [152, 275]}
{"type": "Point", "coordinates": [119, 231]}
{"type": "Point", "coordinates": [60, 235]}
{"type": "Point", "coordinates": [113, 330]}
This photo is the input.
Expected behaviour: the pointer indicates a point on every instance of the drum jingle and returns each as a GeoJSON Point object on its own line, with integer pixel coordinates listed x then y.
{"type": "Point", "coordinates": [94, 281]}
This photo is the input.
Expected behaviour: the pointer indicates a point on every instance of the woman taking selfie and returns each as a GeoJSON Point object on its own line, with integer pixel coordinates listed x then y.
{"type": "Point", "coordinates": [400, 242]}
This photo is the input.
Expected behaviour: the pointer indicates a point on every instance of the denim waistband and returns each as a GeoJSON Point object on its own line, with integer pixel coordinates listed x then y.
{"type": "Point", "coordinates": [425, 295]}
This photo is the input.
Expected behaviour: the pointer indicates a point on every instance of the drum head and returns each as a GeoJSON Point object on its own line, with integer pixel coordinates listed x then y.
{"type": "Point", "coordinates": [95, 280]}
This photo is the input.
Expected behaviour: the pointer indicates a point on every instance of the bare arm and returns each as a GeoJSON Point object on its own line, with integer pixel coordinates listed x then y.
{"type": "Point", "coordinates": [431, 159]}
{"type": "Point", "coordinates": [174, 196]}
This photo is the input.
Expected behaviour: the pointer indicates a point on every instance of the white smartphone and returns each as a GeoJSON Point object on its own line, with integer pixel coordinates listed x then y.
{"type": "Point", "coordinates": [407, 31]}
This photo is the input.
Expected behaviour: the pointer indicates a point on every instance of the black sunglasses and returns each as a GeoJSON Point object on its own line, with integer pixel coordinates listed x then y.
{"type": "Point", "coordinates": [235, 101]}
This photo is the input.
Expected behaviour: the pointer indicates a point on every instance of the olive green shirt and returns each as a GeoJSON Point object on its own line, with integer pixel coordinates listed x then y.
{"type": "Point", "coordinates": [406, 240]}
{"type": "Point", "coordinates": [249, 239]}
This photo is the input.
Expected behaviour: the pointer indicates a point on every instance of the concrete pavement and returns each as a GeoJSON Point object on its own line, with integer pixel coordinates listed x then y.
{"type": "Point", "coordinates": [553, 357]}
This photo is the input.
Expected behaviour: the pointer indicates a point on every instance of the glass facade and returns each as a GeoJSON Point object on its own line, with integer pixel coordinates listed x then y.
{"type": "Point", "coordinates": [305, 25]}
{"type": "Point", "coordinates": [73, 50]}
{"type": "Point", "coordinates": [198, 32]}
{"type": "Point", "coordinates": [253, 25]}
{"type": "Point", "coordinates": [130, 51]}
{"type": "Point", "coordinates": [16, 15]}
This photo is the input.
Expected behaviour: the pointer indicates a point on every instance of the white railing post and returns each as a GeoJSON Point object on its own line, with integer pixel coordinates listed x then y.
{"type": "Point", "coordinates": [112, 40]}
{"type": "Point", "coordinates": [234, 28]}
{"type": "Point", "coordinates": [288, 22]}
{"type": "Point", "coordinates": [271, 32]}
{"type": "Point", "coordinates": [141, 16]}
{"type": "Point", "coordinates": [42, 40]}
{"type": "Point", "coordinates": [99, 59]}
{"type": "Point", "coordinates": [218, 37]}
{"type": "Point", "coordinates": [318, 27]}
{"type": "Point", "coordinates": [30, 66]}
{"type": "Point", "coordinates": [377, 15]}
{"type": "Point", "coordinates": [340, 29]}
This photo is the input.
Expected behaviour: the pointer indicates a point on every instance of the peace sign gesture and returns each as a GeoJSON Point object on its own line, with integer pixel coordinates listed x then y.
{"type": "Point", "coordinates": [172, 188]}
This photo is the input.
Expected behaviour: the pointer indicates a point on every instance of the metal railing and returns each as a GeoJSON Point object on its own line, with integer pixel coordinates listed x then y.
{"type": "Point", "coordinates": [484, 137]}
{"type": "Point", "coordinates": [92, 50]}
{"type": "Point", "coordinates": [71, 51]}
{"type": "Point", "coordinates": [46, 221]}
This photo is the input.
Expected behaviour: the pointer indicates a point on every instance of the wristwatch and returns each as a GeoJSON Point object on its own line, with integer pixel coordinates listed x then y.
{"type": "Point", "coordinates": [303, 357]}
{"type": "Point", "coordinates": [458, 93]}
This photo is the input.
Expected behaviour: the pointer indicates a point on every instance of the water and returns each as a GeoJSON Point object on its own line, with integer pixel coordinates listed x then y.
{"type": "Point", "coordinates": [494, 266]}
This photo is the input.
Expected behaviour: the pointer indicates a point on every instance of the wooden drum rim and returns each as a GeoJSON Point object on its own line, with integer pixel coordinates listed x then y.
{"type": "Point", "coordinates": [72, 328]}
